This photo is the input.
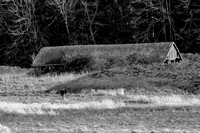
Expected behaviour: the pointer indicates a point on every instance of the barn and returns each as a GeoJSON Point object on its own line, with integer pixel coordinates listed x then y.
{"type": "Point", "coordinates": [53, 57]}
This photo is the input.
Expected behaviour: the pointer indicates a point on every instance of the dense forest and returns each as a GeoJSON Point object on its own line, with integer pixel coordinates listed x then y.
{"type": "Point", "coordinates": [28, 25]}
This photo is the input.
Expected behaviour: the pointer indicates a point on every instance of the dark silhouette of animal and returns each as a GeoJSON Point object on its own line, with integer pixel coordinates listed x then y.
{"type": "Point", "coordinates": [62, 92]}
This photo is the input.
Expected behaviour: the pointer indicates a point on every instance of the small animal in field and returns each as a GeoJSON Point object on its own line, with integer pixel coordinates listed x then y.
{"type": "Point", "coordinates": [62, 92]}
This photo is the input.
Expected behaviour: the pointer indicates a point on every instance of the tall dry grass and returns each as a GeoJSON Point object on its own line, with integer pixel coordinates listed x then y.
{"type": "Point", "coordinates": [23, 82]}
{"type": "Point", "coordinates": [48, 108]}
{"type": "Point", "coordinates": [135, 101]}
{"type": "Point", "coordinates": [6, 78]}
{"type": "Point", "coordinates": [167, 100]}
{"type": "Point", "coordinates": [4, 129]}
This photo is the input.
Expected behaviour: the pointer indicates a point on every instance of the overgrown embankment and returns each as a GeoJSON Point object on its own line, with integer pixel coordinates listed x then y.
{"type": "Point", "coordinates": [143, 78]}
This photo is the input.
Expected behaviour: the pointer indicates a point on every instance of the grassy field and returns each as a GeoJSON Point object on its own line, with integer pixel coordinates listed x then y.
{"type": "Point", "coordinates": [167, 119]}
{"type": "Point", "coordinates": [136, 98]}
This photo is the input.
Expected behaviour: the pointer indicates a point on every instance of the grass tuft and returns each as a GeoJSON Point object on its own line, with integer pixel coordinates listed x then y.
{"type": "Point", "coordinates": [5, 129]}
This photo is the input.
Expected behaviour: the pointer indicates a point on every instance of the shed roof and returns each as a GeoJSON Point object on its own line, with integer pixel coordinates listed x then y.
{"type": "Point", "coordinates": [47, 55]}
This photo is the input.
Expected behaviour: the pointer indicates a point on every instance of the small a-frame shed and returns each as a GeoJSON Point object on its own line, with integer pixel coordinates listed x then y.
{"type": "Point", "coordinates": [173, 55]}
{"type": "Point", "coordinates": [164, 52]}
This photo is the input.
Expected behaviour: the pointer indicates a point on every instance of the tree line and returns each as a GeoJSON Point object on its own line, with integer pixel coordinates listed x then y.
{"type": "Point", "coordinates": [28, 25]}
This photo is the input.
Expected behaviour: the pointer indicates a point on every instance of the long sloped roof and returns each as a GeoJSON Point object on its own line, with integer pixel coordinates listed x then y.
{"type": "Point", "coordinates": [47, 55]}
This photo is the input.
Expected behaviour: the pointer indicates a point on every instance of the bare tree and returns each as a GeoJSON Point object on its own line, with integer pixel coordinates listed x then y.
{"type": "Point", "coordinates": [66, 7]}
{"type": "Point", "coordinates": [21, 25]}
{"type": "Point", "coordinates": [91, 16]}
{"type": "Point", "coordinates": [153, 21]}
{"type": "Point", "coordinates": [70, 9]}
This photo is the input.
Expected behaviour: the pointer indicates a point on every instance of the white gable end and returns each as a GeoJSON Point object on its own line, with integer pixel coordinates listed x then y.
{"type": "Point", "coordinates": [173, 54]}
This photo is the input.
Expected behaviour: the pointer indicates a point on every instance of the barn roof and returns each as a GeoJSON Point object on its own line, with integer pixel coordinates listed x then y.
{"type": "Point", "coordinates": [50, 55]}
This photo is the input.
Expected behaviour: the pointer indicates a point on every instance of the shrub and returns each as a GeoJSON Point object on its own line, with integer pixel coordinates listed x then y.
{"type": "Point", "coordinates": [78, 63]}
